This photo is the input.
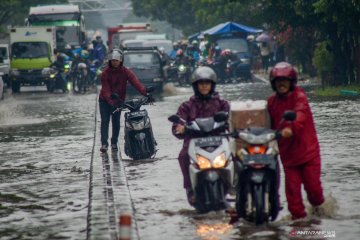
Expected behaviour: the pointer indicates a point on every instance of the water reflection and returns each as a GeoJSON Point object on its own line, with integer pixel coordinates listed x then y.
{"type": "Point", "coordinates": [157, 186]}
{"type": "Point", "coordinates": [46, 144]}
{"type": "Point", "coordinates": [216, 231]}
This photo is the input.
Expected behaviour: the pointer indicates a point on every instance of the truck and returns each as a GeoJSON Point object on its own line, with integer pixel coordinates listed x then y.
{"type": "Point", "coordinates": [31, 51]}
{"type": "Point", "coordinates": [68, 20]}
{"type": "Point", "coordinates": [117, 34]}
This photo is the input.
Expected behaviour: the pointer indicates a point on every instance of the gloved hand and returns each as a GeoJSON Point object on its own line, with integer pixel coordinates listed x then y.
{"type": "Point", "coordinates": [114, 108]}
{"type": "Point", "coordinates": [150, 98]}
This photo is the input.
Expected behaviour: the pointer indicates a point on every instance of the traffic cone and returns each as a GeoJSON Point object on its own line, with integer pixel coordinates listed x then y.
{"type": "Point", "coordinates": [125, 227]}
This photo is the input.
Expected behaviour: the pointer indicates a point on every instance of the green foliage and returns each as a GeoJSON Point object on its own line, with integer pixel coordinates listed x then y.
{"type": "Point", "coordinates": [323, 60]}
{"type": "Point", "coordinates": [13, 12]}
{"type": "Point", "coordinates": [309, 21]}
{"type": "Point", "coordinates": [195, 15]}
{"type": "Point", "coordinates": [180, 14]}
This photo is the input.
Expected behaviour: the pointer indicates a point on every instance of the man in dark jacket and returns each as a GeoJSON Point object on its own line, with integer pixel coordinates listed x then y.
{"type": "Point", "coordinates": [113, 82]}
{"type": "Point", "coordinates": [299, 146]}
{"type": "Point", "coordinates": [205, 103]}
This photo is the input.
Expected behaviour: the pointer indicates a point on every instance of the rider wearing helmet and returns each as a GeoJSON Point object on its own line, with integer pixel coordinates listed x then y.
{"type": "Point", "coordinates": [299, 146]}
{"type": "Point", "coordinates": [172, 54]}
{"type": "Point", "coordinates": [113, 83]}
{"type": "Point", "coordinates": [204, 103]}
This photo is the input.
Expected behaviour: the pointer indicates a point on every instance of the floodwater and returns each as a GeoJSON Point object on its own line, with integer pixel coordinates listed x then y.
{"type": "Point", "coordinates": [46, 142]}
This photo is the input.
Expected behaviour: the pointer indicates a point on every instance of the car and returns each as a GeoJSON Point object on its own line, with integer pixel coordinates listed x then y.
{"type": "Point", "coordinates": [166, 44]}
{"type": "Point", "coordinates": [146, 64]}
{"type": "Point", "coordinates": [1, 86]}
{"type": "Point", "coordinates": [5, 63]}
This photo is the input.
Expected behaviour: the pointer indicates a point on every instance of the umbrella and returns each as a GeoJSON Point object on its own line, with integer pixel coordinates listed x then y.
{"type": "Point", "coordinates": [264, 37]}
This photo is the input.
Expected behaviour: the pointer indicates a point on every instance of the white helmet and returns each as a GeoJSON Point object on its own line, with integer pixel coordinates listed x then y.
{"type": "Point", "coordinates": [116, 54]}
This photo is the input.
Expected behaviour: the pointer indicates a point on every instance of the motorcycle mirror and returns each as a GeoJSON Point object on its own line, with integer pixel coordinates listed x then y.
{"type": "Point", "coordinates": [174, 118]}
{"type": "Point", "coordinates": [289, 115]}
{"type": "Point", "coordinates": [221, 117]}
{"type": "Point", "coordinates": [114, 96]}
{"type": "Point", "coordinates": [149, 89]}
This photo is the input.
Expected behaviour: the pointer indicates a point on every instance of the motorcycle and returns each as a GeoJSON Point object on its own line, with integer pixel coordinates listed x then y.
{"type": "Point", "coordinates": [257, 198]}
{"type": "Point", "coordinates": [179, 73]}
{"type": "Point", "coordinates": [55, 80]}
{"type": "Point", "coordinates": [79, 80]}
{"type": "Point", "coordinates": [94, 70]}
{"type": "Point", "coordinates": [211, 166]}
{"type": "Point", "coordinates": [139, 138]}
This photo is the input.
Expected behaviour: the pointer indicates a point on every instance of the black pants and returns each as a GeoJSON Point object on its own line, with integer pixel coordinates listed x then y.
{"type": "Point", "coordinates": [106, 113]}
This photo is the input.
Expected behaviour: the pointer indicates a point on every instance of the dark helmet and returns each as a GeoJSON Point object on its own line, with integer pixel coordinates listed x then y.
{"type": "Point", "coordinates": [283, 70]}
{"type": "Point", "coordinates": [203, 73]}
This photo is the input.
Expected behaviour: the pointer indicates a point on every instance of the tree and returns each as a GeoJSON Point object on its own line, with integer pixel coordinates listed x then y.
{"type": "Point", "coordinates": [340, 23]}
{"type": "Point", "coordinates": [179, 14]}
{"type": "Point", "coordinates": [304, 23]}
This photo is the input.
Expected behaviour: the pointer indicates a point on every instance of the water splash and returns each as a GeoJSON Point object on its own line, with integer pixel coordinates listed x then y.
{"type": "Point", "coordinates": [328, 209]}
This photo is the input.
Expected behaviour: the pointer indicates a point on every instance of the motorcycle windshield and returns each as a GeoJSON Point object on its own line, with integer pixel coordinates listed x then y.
{"type": "Point", "coordinates": [205, 124]}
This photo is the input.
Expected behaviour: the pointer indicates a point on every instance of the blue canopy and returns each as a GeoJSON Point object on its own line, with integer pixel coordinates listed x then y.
{"type": "Point", "coordinates": [230, 27]}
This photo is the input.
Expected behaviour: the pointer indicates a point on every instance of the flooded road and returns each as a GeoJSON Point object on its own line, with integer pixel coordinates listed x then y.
{"type": "Point", "coordinates": [162, 211]}
{"type": "Point", "coordinates": [46, 142]}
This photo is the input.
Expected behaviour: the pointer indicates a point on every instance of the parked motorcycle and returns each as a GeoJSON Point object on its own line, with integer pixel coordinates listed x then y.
{"type": "Point", "coordinates": [139, 138]}
{"type": "Point", "coordinates": [211, 166]}
{"type": "Point", "coordinates": [257, 198]}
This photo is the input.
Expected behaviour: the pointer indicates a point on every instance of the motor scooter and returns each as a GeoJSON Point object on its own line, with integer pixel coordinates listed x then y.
{"type": "Point", "coordinates": [211, 166]}
{"type": "Point", "coordinates": [257, 167]}
{"type": "Point", "coordinates": [139, 138]}
{"type": "Point", "coordinates": [56, 79]}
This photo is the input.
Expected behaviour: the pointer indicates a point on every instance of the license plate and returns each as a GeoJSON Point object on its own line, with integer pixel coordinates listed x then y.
{"type": "Point", "coordinates": [258, 159]}
{"type": "Point", "coordinates": [137, 114]}
{"type": "Point", "coordinates": [208, 141]}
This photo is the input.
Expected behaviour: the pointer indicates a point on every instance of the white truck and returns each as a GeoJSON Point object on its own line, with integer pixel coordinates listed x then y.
{"type": "Point", "coordinates": [31, 51]}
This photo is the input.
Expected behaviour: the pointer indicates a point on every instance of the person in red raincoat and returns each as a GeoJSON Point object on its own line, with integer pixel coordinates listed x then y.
{"type": "Point", "coordinates": [299, 146]}
{"type": "Point", "coordinates": [205, 102]}
{"type": "Point", "coordinates": [113, 81]}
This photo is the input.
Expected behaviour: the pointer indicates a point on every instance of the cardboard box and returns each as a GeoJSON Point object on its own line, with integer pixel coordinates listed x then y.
{"type": "Point", "coordinates": [244, 114]}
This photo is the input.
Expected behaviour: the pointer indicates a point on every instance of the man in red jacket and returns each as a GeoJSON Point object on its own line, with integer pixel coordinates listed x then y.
{"type": "Point", "coordinates": [113, 81]}
{"type": "Point", "coordinates": [299, 146]}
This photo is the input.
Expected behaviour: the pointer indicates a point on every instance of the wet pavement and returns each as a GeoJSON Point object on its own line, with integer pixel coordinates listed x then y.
{"type": "Point", "coordinates": [54, 184]}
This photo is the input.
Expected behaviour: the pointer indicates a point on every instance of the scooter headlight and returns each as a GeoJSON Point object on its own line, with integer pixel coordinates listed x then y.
{"type": "Point", "coordinates": [182, 68]}
{"type": "Point", "coordinates": [52, 75]}
{"type": "Point", "coordinates": [220, 161]}
{"type": "Point", "coordinates": [203, 162]}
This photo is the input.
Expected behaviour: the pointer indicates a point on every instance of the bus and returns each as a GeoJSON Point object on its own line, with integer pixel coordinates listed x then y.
{"type": "Point", "coordinates": [68, 20]}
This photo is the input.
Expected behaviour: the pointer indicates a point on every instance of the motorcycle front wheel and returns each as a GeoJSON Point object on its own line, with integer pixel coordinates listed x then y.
{"type": "Point", "coordinates": [77, 85]}
{"type": "Point", "coordinates": [259, 197]}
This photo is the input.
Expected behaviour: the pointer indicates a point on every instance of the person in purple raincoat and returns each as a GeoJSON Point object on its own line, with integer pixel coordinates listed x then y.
{"type": "Point", "coordinates": [205, 102]}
